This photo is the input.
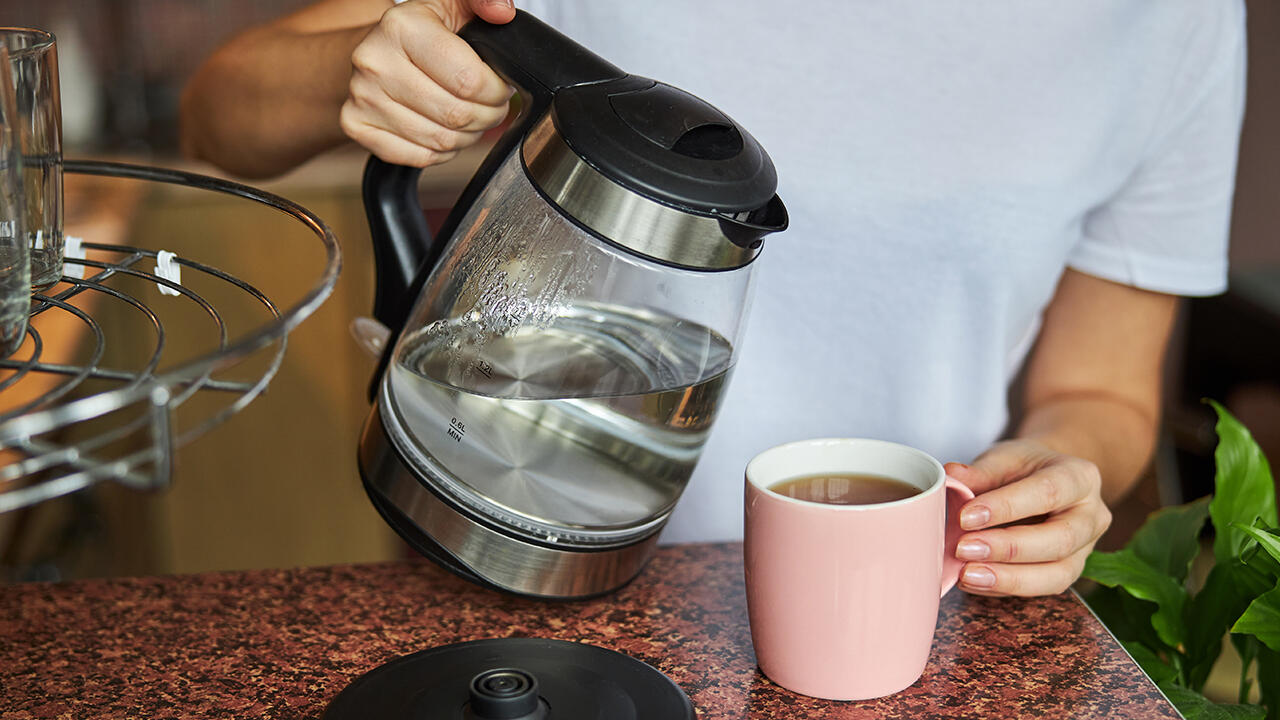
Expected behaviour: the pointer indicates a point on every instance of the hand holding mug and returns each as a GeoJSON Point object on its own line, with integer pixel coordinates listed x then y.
{"type": "Point", "coordinates": [1020, 480]}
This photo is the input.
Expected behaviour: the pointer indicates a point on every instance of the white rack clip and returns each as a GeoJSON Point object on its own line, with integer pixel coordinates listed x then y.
{"type": "Point", "coordinates": [73, 249]}
{"type": "Point", "coordinates": [169, 270]}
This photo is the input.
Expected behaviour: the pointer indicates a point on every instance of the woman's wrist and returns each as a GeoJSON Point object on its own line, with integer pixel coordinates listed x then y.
{"type": "Point", "coordinates": [1116, 436]}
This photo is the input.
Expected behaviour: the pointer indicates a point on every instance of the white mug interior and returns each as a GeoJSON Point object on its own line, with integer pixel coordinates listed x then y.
{"type": "Point", "coordinates": [843, 456]}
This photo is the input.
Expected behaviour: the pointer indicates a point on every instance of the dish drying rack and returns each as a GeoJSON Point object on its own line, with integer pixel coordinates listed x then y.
{"type": "Point", "coordinates": [65, 439]}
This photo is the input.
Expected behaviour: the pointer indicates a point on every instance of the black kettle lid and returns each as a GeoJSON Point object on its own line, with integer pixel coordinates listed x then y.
{"type": "Point", "coordinates": [512, 679]}
{"type": "Point", "coordinates": [666, 144]}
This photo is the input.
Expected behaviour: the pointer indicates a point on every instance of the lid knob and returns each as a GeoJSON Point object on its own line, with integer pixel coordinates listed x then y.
{"type": "Point", "coordinates": [505, 694]}
{"type": "Point", "coordinates": [677, 121]}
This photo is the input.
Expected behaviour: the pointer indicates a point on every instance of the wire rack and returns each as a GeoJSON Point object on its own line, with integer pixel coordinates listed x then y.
{"type": "Point", "coordinates": [68, 438]}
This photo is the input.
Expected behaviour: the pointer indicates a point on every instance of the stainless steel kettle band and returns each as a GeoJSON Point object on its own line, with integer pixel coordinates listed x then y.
{"type": "Point", "coordinates": [625, 218]}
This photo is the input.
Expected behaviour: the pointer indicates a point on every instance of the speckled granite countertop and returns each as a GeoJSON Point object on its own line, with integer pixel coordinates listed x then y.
{"type": "Point", "coordinates": [281, 644]}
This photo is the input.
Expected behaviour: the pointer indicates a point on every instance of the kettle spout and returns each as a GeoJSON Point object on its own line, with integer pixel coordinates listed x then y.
{"type": "Point", "coordinates": [747, 229]}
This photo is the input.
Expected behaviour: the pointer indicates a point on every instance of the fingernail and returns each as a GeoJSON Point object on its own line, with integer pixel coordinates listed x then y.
{"type": "Point", "coordinates": [973, 518]}
{"type": "Point", "coordinates": [979, 577]}
{"type": "Point", "coordinates": [973, 550]}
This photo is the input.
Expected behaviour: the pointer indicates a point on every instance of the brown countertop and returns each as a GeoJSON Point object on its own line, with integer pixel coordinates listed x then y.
{"type": "Point", "coordinates": [282, 643]}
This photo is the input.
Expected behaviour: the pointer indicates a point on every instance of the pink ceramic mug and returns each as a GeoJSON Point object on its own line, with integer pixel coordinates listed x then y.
{"type": "Point", "coordinates": [843, 599]}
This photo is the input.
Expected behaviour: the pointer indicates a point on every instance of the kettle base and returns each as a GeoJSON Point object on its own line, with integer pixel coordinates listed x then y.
{"type": "Point", "coordinates": [474, 549]}
{"type": "Point", "coordinates": [422, 543]}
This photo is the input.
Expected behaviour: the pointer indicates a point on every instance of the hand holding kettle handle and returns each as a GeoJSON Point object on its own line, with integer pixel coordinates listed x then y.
{"type": "Point", "coordinates": [537, 60]}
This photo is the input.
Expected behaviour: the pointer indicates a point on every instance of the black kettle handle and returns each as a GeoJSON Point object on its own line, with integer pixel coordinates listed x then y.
{"type": "Point", "coordinates": [534, 58]}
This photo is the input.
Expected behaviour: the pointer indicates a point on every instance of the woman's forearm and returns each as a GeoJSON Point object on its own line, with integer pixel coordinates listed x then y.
{"type": "Point", "coordinates": [395, 78]}
{"type": "Point", "coordinates": [1093, 381]}
{"type": "Point", "coordinates": [269, 99]}
{"type": "Point", "coordinates": [1116, 435]}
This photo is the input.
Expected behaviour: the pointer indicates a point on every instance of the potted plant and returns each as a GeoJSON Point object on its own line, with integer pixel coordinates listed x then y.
{"type": "Point", "coordinates": [1173, 628]}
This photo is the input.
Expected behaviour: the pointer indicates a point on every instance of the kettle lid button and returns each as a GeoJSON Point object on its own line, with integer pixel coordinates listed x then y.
{"type": "Point", "coordinates": [678, 121]}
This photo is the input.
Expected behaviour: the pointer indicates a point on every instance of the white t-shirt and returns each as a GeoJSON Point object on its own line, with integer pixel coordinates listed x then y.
{"type": "Point", "coordinates": [942, 163]}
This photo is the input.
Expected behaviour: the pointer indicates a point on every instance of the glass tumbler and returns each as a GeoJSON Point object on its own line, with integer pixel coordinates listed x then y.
{"type": "Point", "coordinates": [33, 57]}
{"type": "Point", "coordinates": [15, 269]}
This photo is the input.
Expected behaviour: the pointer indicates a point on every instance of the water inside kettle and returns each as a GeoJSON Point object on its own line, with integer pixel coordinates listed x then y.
{"type": "Point", "coordinates": [588, 424]}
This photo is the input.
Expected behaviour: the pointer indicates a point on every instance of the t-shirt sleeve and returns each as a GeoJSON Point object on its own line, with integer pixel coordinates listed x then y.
{"type": "Point", "coordinates": [1167, 227]}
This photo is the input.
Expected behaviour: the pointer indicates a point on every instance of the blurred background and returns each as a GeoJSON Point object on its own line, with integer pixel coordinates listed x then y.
{"type": "Point", "coordinates": [277, 486]}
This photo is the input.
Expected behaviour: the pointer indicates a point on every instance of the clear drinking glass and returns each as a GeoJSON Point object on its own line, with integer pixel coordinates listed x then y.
{"type": "Point", "coordinates": [33, 57]}
{"type": "Point", "coordinates": [15, 268]}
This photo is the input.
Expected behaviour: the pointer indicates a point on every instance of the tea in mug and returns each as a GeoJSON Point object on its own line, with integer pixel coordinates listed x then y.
{"type": "Point", "coordinates": [845, 488]}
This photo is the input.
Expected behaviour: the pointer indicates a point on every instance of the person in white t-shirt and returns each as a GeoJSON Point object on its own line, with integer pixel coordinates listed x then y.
{"type": "Point", "coordinates": [974, 189]}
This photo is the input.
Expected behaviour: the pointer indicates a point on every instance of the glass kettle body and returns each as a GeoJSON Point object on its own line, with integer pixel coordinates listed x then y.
{"type": "Point", "coordinates": [549, 393]}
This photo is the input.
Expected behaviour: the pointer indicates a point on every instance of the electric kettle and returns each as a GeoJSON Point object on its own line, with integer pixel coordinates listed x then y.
{"type": "Point", "coordinates": [559, 349]}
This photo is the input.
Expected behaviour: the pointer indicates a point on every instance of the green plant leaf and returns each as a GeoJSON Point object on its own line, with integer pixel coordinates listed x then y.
{"type": "Point", "coordinates": [1128, 618]}
{"type": "Point", "coordinates": [1247, 648]}
{"type": "Point", "coordinates": [1268, 542]}
{"type": "Point", "coordinates": [1262, 619]}
{"type": "Point", "coordinates": [1244, 491]}
{"type": "Point", "coordinates": [1195, 706]}
{"type": "Point", "coordinates": [1158, 670]}
{"type": "Point", "coordinates": [1105, 602]}
{"type": "Point", "coordinates": [1261, 561]}
{"type": "Point", "coordinates": [1140, 579]}
{"type": "Point", "coordinates": [1226, 593]}
{"type": "Point", "coordinates": [1170, 538]}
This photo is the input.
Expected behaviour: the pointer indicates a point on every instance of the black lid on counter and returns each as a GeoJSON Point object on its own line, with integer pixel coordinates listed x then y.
{"type": "Point", "coordinates": [512, 679]}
